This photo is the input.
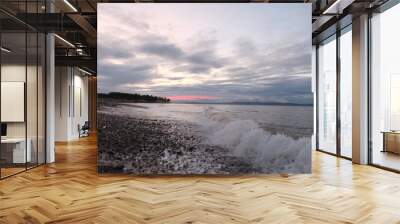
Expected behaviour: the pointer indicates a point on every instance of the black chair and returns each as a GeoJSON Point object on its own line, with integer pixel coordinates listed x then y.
{"type": "Point", "coordinates": [84, 130]}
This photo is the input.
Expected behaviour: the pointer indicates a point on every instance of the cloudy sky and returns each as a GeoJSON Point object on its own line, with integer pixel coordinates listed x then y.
{"type": "Point", "coordinates": [206, 52]}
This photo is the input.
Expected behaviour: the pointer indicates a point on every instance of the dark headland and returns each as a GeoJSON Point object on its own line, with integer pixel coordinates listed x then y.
{"type": "Point", "coordinates": [133, 97]}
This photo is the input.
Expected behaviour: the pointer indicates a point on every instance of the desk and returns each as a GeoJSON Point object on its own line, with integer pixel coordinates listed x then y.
{"type": "Point", "coordinates": [16, 147]}
{"type": "Point", "coordinates": [391, 141]}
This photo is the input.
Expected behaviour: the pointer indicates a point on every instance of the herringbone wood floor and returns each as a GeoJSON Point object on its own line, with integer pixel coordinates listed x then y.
{"type": "Point", "coordinates": [71, 191]}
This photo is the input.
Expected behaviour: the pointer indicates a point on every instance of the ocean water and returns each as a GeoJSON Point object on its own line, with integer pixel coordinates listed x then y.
{"type": "Point", "coordinates": [274, 136]}
{"type": "Point", "coordinates": [294, 121]}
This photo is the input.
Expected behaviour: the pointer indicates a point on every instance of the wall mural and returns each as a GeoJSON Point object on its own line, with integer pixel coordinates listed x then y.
{"type": "Point", "coordinates": [204, 88]}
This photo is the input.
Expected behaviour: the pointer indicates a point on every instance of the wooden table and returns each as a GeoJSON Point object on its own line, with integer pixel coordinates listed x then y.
{"type": "Point", "coordinates": [391, 141]}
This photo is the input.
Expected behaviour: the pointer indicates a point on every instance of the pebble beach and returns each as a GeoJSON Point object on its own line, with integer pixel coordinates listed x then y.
{"type": "Point", "coordinates": [151, 146]}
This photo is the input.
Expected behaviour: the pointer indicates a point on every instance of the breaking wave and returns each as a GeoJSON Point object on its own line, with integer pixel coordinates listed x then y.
{"type": "Point", "coordinates": [246, 139]}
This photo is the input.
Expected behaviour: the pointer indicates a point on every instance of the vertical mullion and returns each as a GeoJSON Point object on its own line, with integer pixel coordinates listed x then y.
{"type": "Point", "coordinates": [45, 87]}
{"type": "Point", "coordinates": [0, 95]}
{"type": "Point", "coordinates": [60, 87]}
{"type": "Point", "coordinates": [37, 90]}
{"type": "Point", "coordinates": [69, 92]}
{"type": "Point", "coordinates": [338, 96]}
{"type": "Point", "coordinates": [80, 102]}
{"type": "Point", "coordinates": [26, 86]}
{"type": "Point", "coordinates": [317, 96]}
{"type": "Point", "coordinates": [73, 92]}
{"type": "Point", "coordinates": [369, 90]}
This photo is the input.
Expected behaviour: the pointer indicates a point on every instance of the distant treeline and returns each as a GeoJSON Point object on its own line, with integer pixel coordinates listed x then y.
{"type": "Point", "coordinates": [134, 97]}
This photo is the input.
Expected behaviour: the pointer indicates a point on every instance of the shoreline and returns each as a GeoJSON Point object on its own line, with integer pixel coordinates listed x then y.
{"type": "Point", "coordinates": [160, 147]}
{"type": "Point", "coordinates": [142, 145]}
{"type": "Point", "coordinates": [295, 132]}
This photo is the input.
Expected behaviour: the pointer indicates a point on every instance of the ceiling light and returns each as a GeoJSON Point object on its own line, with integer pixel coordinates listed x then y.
{"type": "Point", "coordinates": [70, 5]}
{"type": "Point", "coordinates": [338, 6]}
{"type": "Point", "coordinates": [79, 51]}
{"type": "Point", "coordinates": [84, 71]}
{"type": "Point", "coordinates": [5, 50]}
{"type": "Point", "coordinates": [64, 40]}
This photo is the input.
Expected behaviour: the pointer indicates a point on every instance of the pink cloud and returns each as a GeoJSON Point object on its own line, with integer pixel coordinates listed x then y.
{"type": "Point", "coordinates": [191, 97]}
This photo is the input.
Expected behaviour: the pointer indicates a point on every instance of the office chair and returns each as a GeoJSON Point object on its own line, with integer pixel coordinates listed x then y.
{"type": "Point", "coordinates": [84, 130]}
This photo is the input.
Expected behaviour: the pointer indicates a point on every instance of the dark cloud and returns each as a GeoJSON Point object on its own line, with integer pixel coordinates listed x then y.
{"type": "Point", "coordinates": [204, 61]}
{"type": "Point", "coordinates": [183, 60]}
{"type": "Point", "coordinates": [296, 90]}
{"type": "Point", "coordinates": [278, 62]}
{"type": "Point", "coordinates": [175, 78]}
{"type": "Point", "coordinates": [167, 50]}
{"type": "Point", "coordinates": [245, 47]}
{"type": "Point", "coordinates": [114, 52]}
{"type": "Point", "coordinates": [113, 77]}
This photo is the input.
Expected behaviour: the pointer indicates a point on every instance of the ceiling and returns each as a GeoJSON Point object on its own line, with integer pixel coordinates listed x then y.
{"type": "Point", "coordinates": [75, 21]}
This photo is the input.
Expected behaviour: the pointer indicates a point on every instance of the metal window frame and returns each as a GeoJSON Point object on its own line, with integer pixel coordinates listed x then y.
{"type": "Point", "coordinates": [387, 5]}
{"type": "Point", "coordinates": [339, 32]}
{"type": "Point", "coordinates": [381, 9]}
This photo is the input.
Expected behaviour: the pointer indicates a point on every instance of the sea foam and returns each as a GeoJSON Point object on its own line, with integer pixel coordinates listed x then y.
{"type": "Point", "coordinates": [272, 153]}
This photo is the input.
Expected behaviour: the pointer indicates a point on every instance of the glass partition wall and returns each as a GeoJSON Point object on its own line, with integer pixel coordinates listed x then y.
{"type": "Point", "coordinates": [13, 89]}
{"type": "Point", "coordinates": [385, 89]}
{"type": "Point", "coordinates": [334, 87]}
{"type": "Point", "coordinates": [22, 78]}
